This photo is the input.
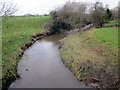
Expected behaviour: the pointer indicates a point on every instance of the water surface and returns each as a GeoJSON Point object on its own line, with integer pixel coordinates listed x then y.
{"type": "Point", "coordinates": [41, 67]}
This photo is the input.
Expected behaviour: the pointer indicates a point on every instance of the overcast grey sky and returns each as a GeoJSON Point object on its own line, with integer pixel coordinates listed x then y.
{"type": "Point", "coordinates": [45, 6]}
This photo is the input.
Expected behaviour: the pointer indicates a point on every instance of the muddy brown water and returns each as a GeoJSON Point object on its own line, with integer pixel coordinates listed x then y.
{"type": "Point", "coordinates": [41, 67]}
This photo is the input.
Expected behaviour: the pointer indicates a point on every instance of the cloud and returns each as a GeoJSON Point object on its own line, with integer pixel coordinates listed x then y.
{"type": "Point", "coordinates": [45, 6]}
{"type": "Point", "coordinates": [37, 6]}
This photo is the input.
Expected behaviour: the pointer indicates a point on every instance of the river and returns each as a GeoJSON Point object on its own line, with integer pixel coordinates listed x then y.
{"type": "Point", "coordinates": [41, 67]}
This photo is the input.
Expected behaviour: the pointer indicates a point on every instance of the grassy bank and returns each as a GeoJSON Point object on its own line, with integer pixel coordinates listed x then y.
{"type": "Point", "coordinates": [16, 32]}
{"type": "Point", "coordinates": [93, 56]}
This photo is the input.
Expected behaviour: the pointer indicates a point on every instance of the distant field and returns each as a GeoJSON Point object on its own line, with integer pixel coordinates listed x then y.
{"type": "Point", "coordinates": [93, 55]}
{"type": "Point", "coordinates": [16, 32]}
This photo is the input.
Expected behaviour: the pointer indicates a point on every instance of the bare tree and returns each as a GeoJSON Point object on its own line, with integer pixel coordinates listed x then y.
{"type": "Point", "coordinates": [71, 15]}
{"type": "Point", "coordinates": [98, 14]}
{"type": "Point", "coordinates": [7, 9]}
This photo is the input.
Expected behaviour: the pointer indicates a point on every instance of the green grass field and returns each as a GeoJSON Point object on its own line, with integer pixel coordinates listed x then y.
{"type": "Point", "coordinates": [108, 35]}
{"type": "Point", "coordinates": [92, 54]}
{"type": "Point", "coordinates": [16, 32]}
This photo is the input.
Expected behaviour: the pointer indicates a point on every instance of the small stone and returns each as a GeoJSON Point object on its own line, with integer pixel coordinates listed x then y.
{"type": "Point", "coordinates": [95, 85]}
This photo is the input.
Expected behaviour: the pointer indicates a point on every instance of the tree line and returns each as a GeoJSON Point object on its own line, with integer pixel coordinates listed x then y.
{"type": "Point", "coordinates": [78, 14]}
{"type": "Point", "coordinates": [72, 15]}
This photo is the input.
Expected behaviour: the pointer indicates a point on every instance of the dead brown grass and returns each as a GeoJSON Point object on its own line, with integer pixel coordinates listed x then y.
{"type": "Point", "coordinates": [92, 61]}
